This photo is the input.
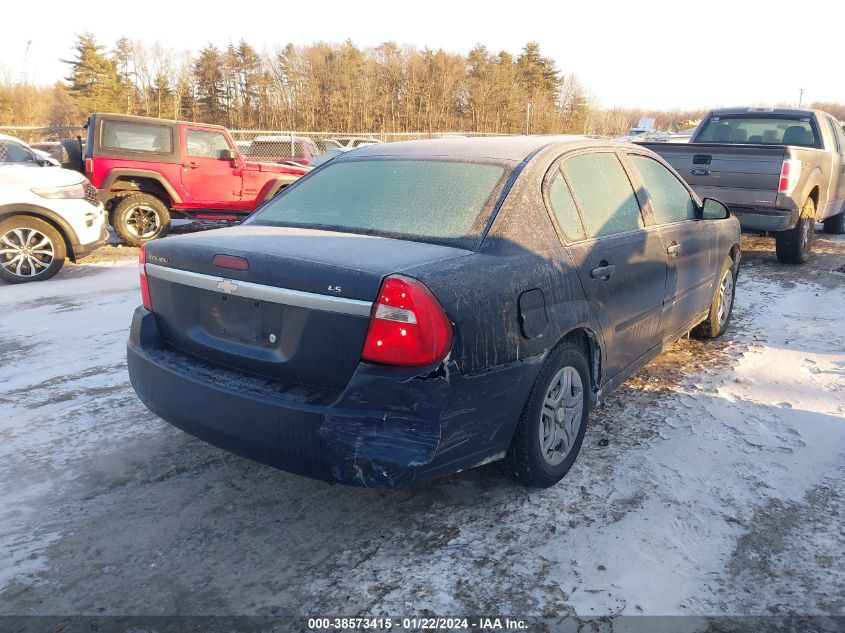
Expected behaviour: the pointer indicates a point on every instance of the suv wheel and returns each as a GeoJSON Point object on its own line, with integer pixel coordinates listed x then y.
{"type": "Point", "coordinates": [140, 218]}
{"type": "Point", "coordinates": [30, 250]}
{"type": "Point", "coordinates": [836, 224]}
{"type": "Point", "coordinates": [794, 246]}
{"type": "Point", "coordinates": [551, 430]}
{"type": "Point", "coordinates": [71, 156]}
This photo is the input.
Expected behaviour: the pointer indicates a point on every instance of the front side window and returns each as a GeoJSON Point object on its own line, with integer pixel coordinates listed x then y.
{"type": "Point", "coordinates": [604, 193]}
{"type": "Point", "coordinates": [205, 143]}
{"type": "Point", "coordinates": [670, 200]}
{"type": "Point", "coordinates": [139, 137]}
{"type": "Point", "coordinates": [768, 130]}
{"type": "Point", "coordinates": [428, 200]}
{"type": "Point", "coordinates": [15, 153]}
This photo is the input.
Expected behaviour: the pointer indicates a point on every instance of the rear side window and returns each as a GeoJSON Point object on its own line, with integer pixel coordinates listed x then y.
{"type": "Point", "coordinates": [205, 143]}
{"type": "Point", "coordinates": [565, 210]}
{"type": "Point", "coordinates": [138, 137]}
{"type": "Point", "coordinates": [604, 193]}
{"type": "Point", "coordinates": [438, 201]}
{"type": "Point", "coordinates": [670, 200]}
{"type": "Point", "coordinates": [770, 130]}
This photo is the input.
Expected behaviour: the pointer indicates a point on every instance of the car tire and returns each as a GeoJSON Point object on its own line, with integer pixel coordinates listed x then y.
{"type": "Point", "coordinates": [30, 250]}
{"type": "Point", "coordinates": [547, 438]}
{"type": "Point", "coordinates": [835, 224]}
{"type": "Point", "coordinates": [794, 246]}
{"type": "Point", "coordinates": [140, 218]}
{"type": "Point", "coordinates": [722, 304]}
{"type": "Point", "coordinates": [71, 155]}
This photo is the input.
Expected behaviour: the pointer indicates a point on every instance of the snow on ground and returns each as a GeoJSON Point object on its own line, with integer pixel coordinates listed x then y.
{"type": "Point", "coordinates": [711, 483]}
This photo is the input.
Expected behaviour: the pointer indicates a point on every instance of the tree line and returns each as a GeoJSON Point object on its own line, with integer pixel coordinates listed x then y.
{"type": "Point", "coordinates": [326, 87]}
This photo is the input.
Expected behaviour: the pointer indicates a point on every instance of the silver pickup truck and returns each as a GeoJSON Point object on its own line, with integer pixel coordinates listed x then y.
{"type": "Point", "coordinates": [777, 169]}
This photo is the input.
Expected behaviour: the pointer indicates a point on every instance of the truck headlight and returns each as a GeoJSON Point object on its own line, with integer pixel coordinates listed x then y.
{"type": "Point", "coordinates": [76, 192]}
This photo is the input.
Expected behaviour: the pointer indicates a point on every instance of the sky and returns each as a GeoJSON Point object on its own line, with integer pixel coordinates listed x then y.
{"type": "Point", "coordinates": [647, 54]}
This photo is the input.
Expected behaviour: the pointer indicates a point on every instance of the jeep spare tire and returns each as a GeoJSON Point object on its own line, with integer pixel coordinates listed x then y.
{"type": "Point", "coordinates": [71, 155]}
{"type": "Point", "coordinates": [140, 218]}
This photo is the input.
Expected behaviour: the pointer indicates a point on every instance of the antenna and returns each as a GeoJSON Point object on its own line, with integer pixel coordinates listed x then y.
{"type": "Point", "coordinates": [25, 60]}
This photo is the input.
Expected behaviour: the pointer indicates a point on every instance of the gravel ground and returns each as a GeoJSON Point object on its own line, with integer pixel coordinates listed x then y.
{"type": "Point", "coordinates": [710, 483]}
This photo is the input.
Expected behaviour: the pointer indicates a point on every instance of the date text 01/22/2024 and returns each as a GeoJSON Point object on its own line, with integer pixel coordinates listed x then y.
{"type": "Point", "coordinates": [417, 624]}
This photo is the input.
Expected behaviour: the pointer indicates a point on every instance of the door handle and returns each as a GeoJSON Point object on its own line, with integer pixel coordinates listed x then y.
{"type": "Point", "coordinates": [603, 272]}
{"type": "Point", "coordinates": [674, 249]}
{"type": "Point", "coordinates": [190, 165]}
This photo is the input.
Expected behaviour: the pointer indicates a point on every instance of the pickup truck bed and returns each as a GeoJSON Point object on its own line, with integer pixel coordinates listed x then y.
{"type": "Point", "coordinates": [744, 177]}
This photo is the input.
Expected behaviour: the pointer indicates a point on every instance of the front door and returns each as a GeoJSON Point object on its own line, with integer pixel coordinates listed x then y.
{"type": "Point", "coordinates": [687, 242]}
{"type": "Point", "coordinates": [836, 192]}
{"type": "Point", "coordinates": [207, 178]}
{"type": "Point", "coordinates": [621, 263]}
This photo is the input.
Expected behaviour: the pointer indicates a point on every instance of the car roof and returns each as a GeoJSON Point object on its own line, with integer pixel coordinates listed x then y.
{"type": "Point", "coordinates": [510, 148]}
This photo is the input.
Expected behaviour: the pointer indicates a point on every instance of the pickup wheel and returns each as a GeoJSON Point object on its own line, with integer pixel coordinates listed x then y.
{"type": "Point", "coordinates": [140, 218]}
{"type": "Point", "coordinates": [551, 429]}
{"type": "Point", "coordinates": [722, 305]}
{"type": "Point", "coordinates": [30, 250]}
{"type": "Point", "coordinates": [836, 224]}
{"type": "Point", "coordinates": [794, 246]}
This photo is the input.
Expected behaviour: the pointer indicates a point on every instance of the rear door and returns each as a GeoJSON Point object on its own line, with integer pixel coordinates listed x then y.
{"type": "Point", "coordinates": [620, 261]}
{"type": "Point", "coordinates": [688, 243]}
{"type": "Point", "coordinates": [206, 177]}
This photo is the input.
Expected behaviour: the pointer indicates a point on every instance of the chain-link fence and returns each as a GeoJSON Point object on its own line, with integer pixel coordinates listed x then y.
{"type": "Point", "coordinates": [276, 146]}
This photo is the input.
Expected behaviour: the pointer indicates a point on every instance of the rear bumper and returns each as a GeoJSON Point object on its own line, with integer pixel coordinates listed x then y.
{"type": "Point", "coordinates": [756, 219]}
{"type": "Point", "coordinates": [389, 427]}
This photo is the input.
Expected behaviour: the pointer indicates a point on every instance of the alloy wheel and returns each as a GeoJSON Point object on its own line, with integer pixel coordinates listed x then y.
{"type": "Point", "coordinates": [26, 252]}
{"type": "Point", "coordinates": [143, 222]}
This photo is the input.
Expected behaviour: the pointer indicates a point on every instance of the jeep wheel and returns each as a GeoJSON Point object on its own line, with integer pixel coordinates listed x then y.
{"type": "Point", "coordinates": [836, 224]}
{"type": "Point", "coordinates": [794, 246]}
{"type": "Point", "coordinates": [140, 218]}
{"type": "Point", "coordinates": [30, 250]}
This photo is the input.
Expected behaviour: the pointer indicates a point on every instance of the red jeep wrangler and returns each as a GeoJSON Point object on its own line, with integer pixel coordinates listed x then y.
{"type": "Point", "coordinates": [145, 169]}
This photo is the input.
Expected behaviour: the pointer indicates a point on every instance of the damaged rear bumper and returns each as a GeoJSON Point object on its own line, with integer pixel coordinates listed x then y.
{"type": "Point", "coordinates": [388, 428]}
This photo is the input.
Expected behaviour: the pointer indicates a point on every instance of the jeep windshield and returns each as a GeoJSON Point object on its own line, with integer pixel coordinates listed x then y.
{"type": "Point", "coordinates": [768, 130]}
{"type": "Point", "coordinates": [437, 201]}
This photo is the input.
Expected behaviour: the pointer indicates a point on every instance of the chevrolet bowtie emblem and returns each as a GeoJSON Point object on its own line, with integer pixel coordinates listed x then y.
{"type": "Point", "coordinates": [227, 286]}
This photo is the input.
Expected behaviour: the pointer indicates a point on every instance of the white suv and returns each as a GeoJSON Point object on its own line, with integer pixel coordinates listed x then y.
{"type": "Point", "coordinates": [46, 214]}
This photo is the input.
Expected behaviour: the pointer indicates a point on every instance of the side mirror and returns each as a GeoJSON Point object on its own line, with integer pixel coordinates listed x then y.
{"type": "Point", "coordinates": [227, 154]}
{"type": "Point", "coordinates": [714, 210]}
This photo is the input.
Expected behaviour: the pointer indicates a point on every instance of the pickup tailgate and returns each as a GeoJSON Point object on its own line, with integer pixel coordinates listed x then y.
{"type": "Point", "coordinates": [300, 312]}
{"type": "Point", "coordinates": [737, 175]}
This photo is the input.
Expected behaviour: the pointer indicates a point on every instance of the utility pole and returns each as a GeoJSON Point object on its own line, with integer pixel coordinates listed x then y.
{"type": "Point", "coordinates": [527, 118]}
{"type": "Point", "coordinates": [800, 96]}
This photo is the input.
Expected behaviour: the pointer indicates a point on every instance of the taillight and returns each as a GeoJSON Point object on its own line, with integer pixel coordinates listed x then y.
{"type": "Point", "coordinates": [145, 284]}
{"type": "Point", "coordinates": [408, 326]}
{"type": "Point", "coordinates": [89, 167]}
{"type": "Point", "coordinates": [790, 172]}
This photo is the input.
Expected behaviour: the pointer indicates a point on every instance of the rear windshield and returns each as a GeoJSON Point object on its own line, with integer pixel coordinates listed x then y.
{"type": "Point", "coordinates": [768, 130]}
{"type": "Point", "coordinates": [425, 200]}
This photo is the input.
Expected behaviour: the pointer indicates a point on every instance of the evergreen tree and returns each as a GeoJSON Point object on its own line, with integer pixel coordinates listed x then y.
{"type": "Point", "coordinates": [94, 81]}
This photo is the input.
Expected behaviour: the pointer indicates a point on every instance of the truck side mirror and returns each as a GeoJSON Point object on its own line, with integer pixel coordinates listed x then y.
{"type": "Point", "coordinates": [227, 154]}
{"type": "Point", "coordinates": [714, 210]}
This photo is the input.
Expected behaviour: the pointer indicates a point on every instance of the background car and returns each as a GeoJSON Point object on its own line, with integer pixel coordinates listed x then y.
{"type": "Point", "coordinates": [45, 216]}
{"type": "Point", "coordinates": [351, 142]}
{"type": "Point", "coordinates": [283, 149]}
{"type": "Point", "coordinates": [13, 150]}
{"type": "Point", "coordinates": [414, 309]}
